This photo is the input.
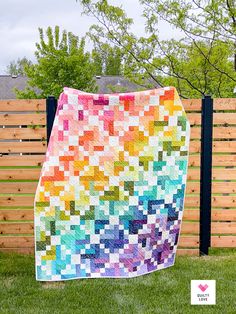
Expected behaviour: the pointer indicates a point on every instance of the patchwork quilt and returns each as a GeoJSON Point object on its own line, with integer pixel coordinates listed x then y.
{"type": "Point", "coordinates": [110, 198]}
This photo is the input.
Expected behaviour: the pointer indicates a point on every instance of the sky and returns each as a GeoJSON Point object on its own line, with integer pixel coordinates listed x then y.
{"type": "Point", "coordinates": [19, 22]}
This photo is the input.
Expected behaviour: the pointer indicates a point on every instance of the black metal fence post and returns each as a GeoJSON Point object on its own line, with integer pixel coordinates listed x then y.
{"type": "Point", "coordinates": [51, 105]}
{"type": "Point", "coordinates": [206, 174]}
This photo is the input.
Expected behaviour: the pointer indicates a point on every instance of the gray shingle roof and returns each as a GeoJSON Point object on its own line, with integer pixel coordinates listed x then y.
{"type": "Point", "coordinates": [8, 83]}
{"type": "Point", "coordinates": [119, 83]}
{"type": "Point", "coordinates": [109, 84]}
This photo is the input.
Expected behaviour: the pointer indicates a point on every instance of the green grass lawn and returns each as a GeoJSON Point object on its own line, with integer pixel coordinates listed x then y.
{"type": "Point", "coordinates": [166, 291]}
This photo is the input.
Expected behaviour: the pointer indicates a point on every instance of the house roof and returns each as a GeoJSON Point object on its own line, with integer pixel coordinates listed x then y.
{"type": "Point", "coordinates": [109, 84]}
{"type": "Point", "coordinates": [106, 84]}
{"type": "Point", "coordinates": [9, 83]}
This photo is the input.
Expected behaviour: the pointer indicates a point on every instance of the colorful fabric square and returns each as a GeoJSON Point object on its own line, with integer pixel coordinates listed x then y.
{"type": "Point", "coordinates": [110, 198]}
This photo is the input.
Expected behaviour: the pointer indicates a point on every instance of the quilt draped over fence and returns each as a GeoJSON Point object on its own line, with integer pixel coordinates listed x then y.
{"type": "Point", "coordinates": [110, 198]}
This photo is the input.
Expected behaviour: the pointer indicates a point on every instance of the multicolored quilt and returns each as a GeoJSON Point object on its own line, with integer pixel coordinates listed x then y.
{"type": "Point", "coordinates": [110, 198]}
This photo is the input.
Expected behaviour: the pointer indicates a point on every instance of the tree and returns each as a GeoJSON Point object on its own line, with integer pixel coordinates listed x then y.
{"type": "Point", "coordinates": [201, 62]}
{"type": "Point", "coordinates": [113, 62]}
{"type": "Point", "coordinates": [98, 61]}
{"type": "Point", "coordinates": [18, 67]}
{"type": "Point", "coordinates": [108, 60]}
{"type": "Point", "coordinates": [193, 74]}
{"type": "Point", "coordinates": [61, 61]}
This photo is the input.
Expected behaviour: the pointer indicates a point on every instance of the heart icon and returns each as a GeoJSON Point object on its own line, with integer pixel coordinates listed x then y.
{"type": "Point", "coordinates": [203, 288]}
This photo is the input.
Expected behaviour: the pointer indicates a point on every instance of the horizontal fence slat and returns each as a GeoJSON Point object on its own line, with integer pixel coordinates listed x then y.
{"type": "Point", "coordinates": [194, 147]}
{"type": "Point", "coordinates": [223, 201]}
{"type": "Point", "coordinates": [192, 187]}
{"type": "Point", "coordinates": [223, 214]}
{"type": "Point", "coordinates": [218, 147]}
{"type": "Point", "coordinates": [192, 104]}
{"type": "Point", "coordinates": [189, 252]}
{"type": "Point", "coordinates": [23, 119]}
{"type": "Point", "coordinates": [194, 118]}
{"type": "Point", "coordinates": [16, 228]}
{"type": "Point", "coordinates": [18, 250]}
{"type": "Point", "coordinates": [16, 214]}
{"type": "Point", "coordinates": [193, 174]}
{"type": "Point", "coordinates": [223, 187]}
{"type": "Point", "coordinates": [16, 201]}
{"type": "Point", "coordinates": [218, 118]}
{"type": "Point", "coordinates": [19, 174]}
{"type": "Point", "coordinates": [223, 241]}
{"type": "Point", "coordinates": [224, 147]}
{"type": "Point", "coordinates": [18, 187]}
{"type": "Point", "coordinates": [195, 133]}
{"type": "Point", "coordinates": [223, 227]}
{"type": "Point", "coordinates": [224, 118]}
{"type": "Point", "coordinates": [224, 132]}
{"type": "Point", "coordinates": [217, 160]}
{"type": "Point", "coordinates": [192, 201]}
{"type": "Point", "coordinates": [21, 160]}
{"type": "Point", "coordinates": [223, 174]}
{"type": "Point", "coordinates": [23, 147]}
{"type": "Point", "coordinates": [22, 133]}
{"type": "Point", "coordinates": [219, 104]}
{"type": "Point", "coordinates": [188, 241]}
{"type": "Point", "coordinates": [194, 160]}
{"type": "Point", "coordinates": [190, 227]}
{"type": "Point", "coordinates": [218, 132]}
{"type": "Point", "coordinates": [191, 214]}
{"type": "Point", "coordinates": [16, 241]}
{"type": "Point", "coordinates": [224, 103]}
{"type": "Point", "coordinates": [23, 105]}
{"type": "Point", "coordinates": [223, 160]}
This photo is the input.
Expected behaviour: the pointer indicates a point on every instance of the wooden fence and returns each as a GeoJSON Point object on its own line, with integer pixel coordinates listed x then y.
{"type": "Point", "coordinates": [23, 146]}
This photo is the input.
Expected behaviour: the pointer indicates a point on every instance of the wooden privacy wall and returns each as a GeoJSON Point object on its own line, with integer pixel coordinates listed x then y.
{"type": "Point", "coordinates": [23, 146]}
{"type": "Point", "coordinates": [223, 225]}
{"type": "Point", "coordinates": [223, 213]}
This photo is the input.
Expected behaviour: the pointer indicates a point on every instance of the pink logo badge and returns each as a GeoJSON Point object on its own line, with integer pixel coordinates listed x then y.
{"type": "Point", "coordinates": [203, 288]}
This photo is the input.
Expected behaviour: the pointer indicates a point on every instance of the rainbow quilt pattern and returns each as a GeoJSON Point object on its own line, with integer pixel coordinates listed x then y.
{"type": "Point", "coordinates": [110, 198]}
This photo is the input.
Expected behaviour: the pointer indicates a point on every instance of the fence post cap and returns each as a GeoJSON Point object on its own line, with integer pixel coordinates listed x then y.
{"type": "Point", "coordinates": [206, 96]}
